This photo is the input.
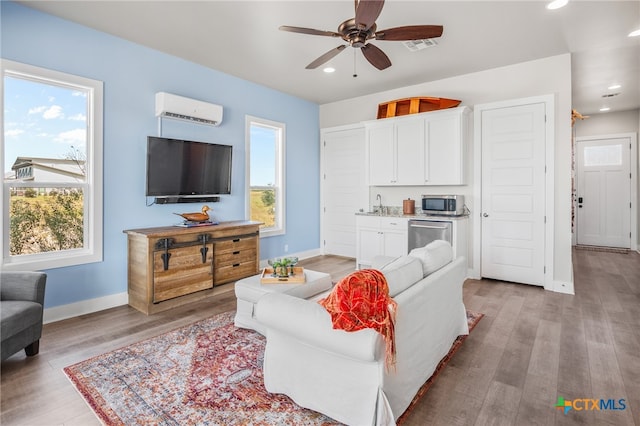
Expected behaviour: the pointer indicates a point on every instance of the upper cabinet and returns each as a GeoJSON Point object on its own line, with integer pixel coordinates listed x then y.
{"type": "Point", "coordinates": [422, 149]}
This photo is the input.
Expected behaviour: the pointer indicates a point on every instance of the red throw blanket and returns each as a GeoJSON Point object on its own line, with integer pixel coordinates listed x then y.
{"type": "Point", "coordinates": [361, 300]}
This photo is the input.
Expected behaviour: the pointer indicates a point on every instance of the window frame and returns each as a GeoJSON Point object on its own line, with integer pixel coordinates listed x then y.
{"type": "Point", "coordinates": [92, 250]}
{"type": "Point", "coordinates": [279, 185]}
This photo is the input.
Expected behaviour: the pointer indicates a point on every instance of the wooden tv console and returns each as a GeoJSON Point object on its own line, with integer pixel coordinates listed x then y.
{"type": "Point", "coordinates": [171, 266]}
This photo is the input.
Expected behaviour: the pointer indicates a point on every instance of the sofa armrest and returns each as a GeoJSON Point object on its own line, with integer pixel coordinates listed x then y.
{"type": "Point", "coordinates": [310, 322]}
{"type": "Point", "coordinates": [22, 285]}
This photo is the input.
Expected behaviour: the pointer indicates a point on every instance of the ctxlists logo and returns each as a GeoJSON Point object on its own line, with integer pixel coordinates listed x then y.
{"type": "Point", "coordinates": [590, 404]}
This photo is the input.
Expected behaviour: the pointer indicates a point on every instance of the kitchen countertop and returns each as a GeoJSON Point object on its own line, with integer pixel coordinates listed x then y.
{"type": "Point", "coordinates": [419, 216]}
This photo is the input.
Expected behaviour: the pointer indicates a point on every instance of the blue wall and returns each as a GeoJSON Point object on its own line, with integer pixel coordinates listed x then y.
{"type": "Point", "coordinates": [132, 74]}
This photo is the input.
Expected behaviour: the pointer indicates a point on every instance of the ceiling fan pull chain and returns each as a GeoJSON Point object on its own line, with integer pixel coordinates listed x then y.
{"type": "Point", "coordinates": [355, 74]}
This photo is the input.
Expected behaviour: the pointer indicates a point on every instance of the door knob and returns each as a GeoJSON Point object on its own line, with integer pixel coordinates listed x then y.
{"type": "Point", "coordinates": [485, 215]}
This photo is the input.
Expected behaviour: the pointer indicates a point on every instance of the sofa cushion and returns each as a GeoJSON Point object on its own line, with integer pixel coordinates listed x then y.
{"type": "Point", "coordinates": [402, 273]}
{"type": "Point", "coordinates": [433, 256]}
{"type": "Point", "coordinates": [18, 315]}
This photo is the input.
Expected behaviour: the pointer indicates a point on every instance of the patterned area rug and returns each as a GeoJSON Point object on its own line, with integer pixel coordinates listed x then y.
{"type": "Point", "coordinates": [209, 372]}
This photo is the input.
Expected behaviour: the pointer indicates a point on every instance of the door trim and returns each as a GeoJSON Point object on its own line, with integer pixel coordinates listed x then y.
{"type": "Point", "coordinates": [549, 101]}
{"type": "Point", "coordinates": [365, 197]}
{"type": "Point", "coordinates": [633, 168]}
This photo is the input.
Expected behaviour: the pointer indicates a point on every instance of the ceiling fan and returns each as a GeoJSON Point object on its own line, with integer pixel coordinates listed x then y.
{"type": "Point", "coordinates": [359, 30]}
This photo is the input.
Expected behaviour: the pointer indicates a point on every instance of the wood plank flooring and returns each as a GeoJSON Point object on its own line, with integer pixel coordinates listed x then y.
{"type": "Point", "coordinates": [531, 347]}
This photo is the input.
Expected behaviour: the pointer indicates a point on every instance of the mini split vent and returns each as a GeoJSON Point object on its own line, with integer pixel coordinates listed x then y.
{"type": "Point", "coordinates": [186, 109]}
{"type": "Point", "coordinates": [415, 45]}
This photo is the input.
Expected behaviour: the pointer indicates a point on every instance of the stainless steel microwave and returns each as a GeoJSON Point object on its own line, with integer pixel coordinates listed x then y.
{"type": "Point", "coordinates": [449, 205]}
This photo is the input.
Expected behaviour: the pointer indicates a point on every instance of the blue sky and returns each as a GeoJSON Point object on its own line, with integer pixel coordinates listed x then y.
{"type": "Point", "coordinates": [263, 155]}
{"type": "Point", "coordinates": [42, 120]}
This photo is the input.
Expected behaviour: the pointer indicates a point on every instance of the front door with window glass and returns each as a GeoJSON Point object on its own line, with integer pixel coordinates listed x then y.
{"type": "Point", "coordinates": [603, 202]}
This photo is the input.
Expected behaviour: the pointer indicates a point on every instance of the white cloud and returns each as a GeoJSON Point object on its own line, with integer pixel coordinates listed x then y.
{"type": "Point", "coordinates": [13, 132]}
{"type": "Point", "coordinates": [54, 111]}
{"type": "Point", "coordinates": [37, 110]}
{"type": "Point", "coordinates": [48, 112]}
{"type": "Point", "coordinates": [78, 117]}
{"type": "Point", "coordinates": [73, 137]}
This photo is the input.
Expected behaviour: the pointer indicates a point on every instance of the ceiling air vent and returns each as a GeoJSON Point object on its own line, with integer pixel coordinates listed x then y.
{"type": "Point", "coordinates": [415, 45]}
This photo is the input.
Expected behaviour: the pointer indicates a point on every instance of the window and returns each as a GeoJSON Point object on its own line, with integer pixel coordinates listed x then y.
{"type": "Point", "coordinates": [265, 175]}
{"type": "Point", "coordinates": [51, 157]}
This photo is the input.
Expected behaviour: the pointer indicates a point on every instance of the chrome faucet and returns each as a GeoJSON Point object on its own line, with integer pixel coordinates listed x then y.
{"type": "Point", "coordinates": [380, 208]}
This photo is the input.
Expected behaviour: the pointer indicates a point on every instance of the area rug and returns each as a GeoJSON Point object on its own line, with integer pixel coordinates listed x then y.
{"type": "Point", "coordinates": [209, 372]}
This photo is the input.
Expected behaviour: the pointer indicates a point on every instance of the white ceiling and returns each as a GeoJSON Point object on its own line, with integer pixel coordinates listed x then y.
{"type": "Point", "coordinates": [241, 38]}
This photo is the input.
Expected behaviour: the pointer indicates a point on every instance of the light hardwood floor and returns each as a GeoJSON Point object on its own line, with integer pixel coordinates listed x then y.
{"type": "Point", "coordinates": [531, 347]}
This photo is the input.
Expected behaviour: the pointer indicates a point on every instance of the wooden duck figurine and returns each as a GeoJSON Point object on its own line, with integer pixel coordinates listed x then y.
{"type": "Point", "coordinates": [196, 217]}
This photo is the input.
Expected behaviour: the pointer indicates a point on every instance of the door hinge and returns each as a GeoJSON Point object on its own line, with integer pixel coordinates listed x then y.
{"type": "Point", "coordinates": [544, 269]}
{"type": "Point", "coordinates": [324, 143]}
{"type": "Point", "coordinates": [545, 219]}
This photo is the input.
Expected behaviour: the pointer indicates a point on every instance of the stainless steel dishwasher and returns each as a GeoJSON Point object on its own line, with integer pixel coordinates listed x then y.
{"type": "Point", "coordinates": [422, 232]}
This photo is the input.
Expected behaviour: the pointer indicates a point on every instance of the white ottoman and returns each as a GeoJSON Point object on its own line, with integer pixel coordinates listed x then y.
{"type": "Point", "coordinates": [250, 290]}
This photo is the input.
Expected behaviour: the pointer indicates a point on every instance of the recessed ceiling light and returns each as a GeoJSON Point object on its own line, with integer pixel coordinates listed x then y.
{"type": "Point", "coordinates": [635, 33]}
{"type": "Point", "coordinates": [604, 109]}
{"type": "Point", "coordinates": [329, 70]}
{"type": "Point", "coordinates": [557, 4]}
{"type": "Point", "coordinates": [614, 87]}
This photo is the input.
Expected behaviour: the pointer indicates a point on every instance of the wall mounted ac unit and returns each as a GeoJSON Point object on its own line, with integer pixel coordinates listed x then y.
{"type": "Point", "coordinates": [181, 108]}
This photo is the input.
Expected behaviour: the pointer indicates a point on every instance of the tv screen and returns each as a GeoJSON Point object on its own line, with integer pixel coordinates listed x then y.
{"type": "Point", "coordinates": [180, 167]}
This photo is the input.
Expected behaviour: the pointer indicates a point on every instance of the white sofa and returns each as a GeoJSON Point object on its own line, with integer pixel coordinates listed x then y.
{"type": "Point", "coordinates": [342, 374]}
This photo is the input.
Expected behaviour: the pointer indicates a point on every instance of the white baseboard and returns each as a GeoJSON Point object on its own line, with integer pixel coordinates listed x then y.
{"type": "Point", "coordinates": [58, 313]}
{"type": "Point", "coordinates": [301, 255]}
{"type": "Point", "coordinates": [562, 287]}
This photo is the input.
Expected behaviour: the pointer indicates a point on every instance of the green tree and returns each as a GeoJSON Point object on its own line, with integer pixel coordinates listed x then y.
{"type": "Point", "coordinates": [65, 220]}
{"type": "Point", "coordinates": [24, 220]}
{"type": "Point", "coordinates": [268, 197]}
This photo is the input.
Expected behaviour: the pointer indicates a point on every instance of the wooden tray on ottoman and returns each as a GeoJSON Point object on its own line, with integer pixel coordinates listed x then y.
{"type": "Point", "coordinates": [297, 278]}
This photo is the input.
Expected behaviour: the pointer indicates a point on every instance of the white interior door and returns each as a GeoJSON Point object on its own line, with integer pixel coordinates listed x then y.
{"type": "Point", "coordinates": [513, 193]}
{"type": "Point", "coordinates": [603, 213]}
{"type": "Point", "coordinates": [344, 189]}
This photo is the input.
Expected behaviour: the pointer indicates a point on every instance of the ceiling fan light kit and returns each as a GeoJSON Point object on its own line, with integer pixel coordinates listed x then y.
{"type": "Point", "coordinates": [557, 4]}
{"type": "Point", "coordinates": [358, 32]}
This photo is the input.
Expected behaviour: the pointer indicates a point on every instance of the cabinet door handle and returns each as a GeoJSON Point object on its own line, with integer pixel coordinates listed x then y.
{"type": "Point", "coordinates": [236, 252]}
{"type": "Point", "coordinates": [236, 265]}
{"type": "Point", "coordinates": [236, 240]}
{"type": "Point", "coordinates": [203, 253]}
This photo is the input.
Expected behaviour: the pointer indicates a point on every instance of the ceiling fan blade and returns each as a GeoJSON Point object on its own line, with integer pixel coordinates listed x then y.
{"type": "Point", "coordinates": [324, 58]}
{"type": "Point", "coordinates": [410, 32]}
{"type": "Point", "coordinates": [309, 31]}
{"type": "Point", "coordinates": [375, 56]}
{"type": "Point", "coordinates": [367, 12]}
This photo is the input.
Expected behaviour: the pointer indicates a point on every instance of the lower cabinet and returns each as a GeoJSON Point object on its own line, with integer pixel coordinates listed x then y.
{"type": "Point", "coordinates": [386, 236]}
{"type": "Point", "coordinates": [172, 266]}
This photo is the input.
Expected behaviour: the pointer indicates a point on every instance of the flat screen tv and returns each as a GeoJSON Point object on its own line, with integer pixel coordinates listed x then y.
{"type": "Point", "coordinates": [187, 168]}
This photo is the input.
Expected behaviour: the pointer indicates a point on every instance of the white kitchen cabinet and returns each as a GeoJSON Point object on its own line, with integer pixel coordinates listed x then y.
{"type": "Point", "coordinates": [376, 235]}
{"type": "Point", "coordinates": [447, 138]}
{"type": "Point", "coordinates": [396, 152]}
{"type": "Point", "coordinates": [421, 149]}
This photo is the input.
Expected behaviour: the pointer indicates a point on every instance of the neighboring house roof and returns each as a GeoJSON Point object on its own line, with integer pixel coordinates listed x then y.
{"type": "Point", "coordinates": [66, 167]}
